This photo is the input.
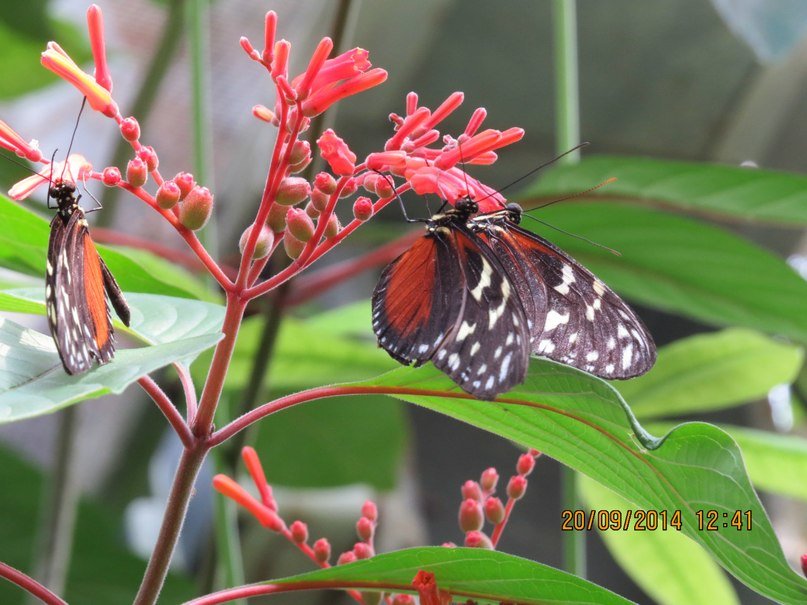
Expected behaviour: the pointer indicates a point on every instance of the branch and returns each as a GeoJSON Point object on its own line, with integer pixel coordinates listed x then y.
{"type": "Point", "coordinates": [167, 408]}
{"type": "Point", "coordinates": [29, 585]}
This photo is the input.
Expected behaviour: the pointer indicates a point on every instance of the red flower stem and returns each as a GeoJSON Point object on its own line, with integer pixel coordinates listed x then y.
{"type": "Point", "coordinates": [259, 265]}
{"type": "Point", "coordinates": [189, 261]}
{"type": "Point", "coordinates": [186, 234]}
{"type": "Point", "coordinates": [254, 590]}
{"type": "Point", "coordinates": [29, 585]}
{"type": "Point", "coordinates": [190, 392]}
{"type": "Point", "coordinates": [497, 531]}
{"type": "Point", "coordinates": [167, 408]}
{"type": "Point", "coordinates": [310, 286]}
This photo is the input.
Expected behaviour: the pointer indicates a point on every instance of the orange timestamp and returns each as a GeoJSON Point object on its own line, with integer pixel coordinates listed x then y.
{"type": "Point", "coordinates": [652, 520]}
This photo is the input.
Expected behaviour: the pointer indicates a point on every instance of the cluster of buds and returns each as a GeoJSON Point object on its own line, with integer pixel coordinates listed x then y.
{"type": "Point", "coordinates": [480, 505]}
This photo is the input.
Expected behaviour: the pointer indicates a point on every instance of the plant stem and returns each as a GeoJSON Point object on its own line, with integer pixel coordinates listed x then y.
{"type": "Point", "coordinates": [60, 507]}
{"type": "Point", "coordinates": [567, 129]}
{"type": "Point", "coordinates": [175, 510]}
{"type": "Point", "coordinates": [30, 585]}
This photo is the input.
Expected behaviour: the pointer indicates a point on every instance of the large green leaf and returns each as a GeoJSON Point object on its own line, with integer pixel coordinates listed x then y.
{"type": "Point", "coordinates": [32, 381]}
{"type": "Point", "coordinates": [102, 569]}
{"type": "Point", "coordinates": [24, 248]}
{"type": "Point", "coordinates": [583, 422]}
{"type": "Point", "coordinates": [684, 266]}
{"type": "Point", "coordinates": [467, 573]}
{"type": "Point", "coordinates": [666, 564]}
{"type": "Point", "coordinates": [713, 189]}
{"type": "Point", "coordinates": [712, 371]}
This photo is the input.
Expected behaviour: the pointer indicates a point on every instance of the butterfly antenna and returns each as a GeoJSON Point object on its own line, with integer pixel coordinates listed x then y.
{"type": "Point", "coordinates": [389, 180]}
{"type": "Point", "coordinates": [607, 181]}
{"type": "Point", "coordinates": [464, 173]}
{"type": "Point", "coordinates": [574, 235]}
{"type": "Point", "coordinates": [73, 138]}
{"type": "Point", "coordinates": [50, 175]}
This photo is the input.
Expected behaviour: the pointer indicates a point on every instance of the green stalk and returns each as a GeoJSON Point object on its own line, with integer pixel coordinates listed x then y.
{"type": "Point", "coordinates": [567, 135]}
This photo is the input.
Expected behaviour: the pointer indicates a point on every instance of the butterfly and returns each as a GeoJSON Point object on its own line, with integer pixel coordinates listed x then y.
{"type": "Point", "coordinates": [77, 285]}
{"type": "Point", "coordinates": [478, 294]}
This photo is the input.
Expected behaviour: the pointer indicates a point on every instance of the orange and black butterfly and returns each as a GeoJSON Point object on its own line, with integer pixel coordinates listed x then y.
{"type": "Point", "coordinates": [77, 285]}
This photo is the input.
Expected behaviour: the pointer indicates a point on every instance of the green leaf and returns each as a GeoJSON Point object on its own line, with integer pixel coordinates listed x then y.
{"type": "Point", "coordinates": [583, 422]}
{"type": "Point", "coordinates": [467, 573]}
{"type": "Point", "coordinates": [683, 266]}
{"type": "Point", "coordinates": [102, 569]}
{"type": "Point", "coordinates": [667, 565]}
{"type": "Point", "coordinates": [32, 381]}
{"type": "Point", "coordinates": [712, 371]}
{"type": "Point", "coordinates": [713, 189]}
{"type": "Point", "coordinates": [24, 248]}
{"type": "Point", "coordinates": [353, 319]}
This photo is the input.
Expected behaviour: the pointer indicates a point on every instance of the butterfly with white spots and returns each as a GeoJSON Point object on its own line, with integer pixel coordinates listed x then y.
{"type": "Point", "coordinates": [478, 294]}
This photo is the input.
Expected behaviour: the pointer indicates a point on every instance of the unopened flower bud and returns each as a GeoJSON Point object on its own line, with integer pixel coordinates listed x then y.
{"type": "Point", "coordinates": [325, 183]}
{"type": "Point", "coordinates": [292, 245]}
{"type": "Point", "coordinates": [130, 129]}
{"type": "Point", "coordinates": [196, 208]}
{"type": "Point", "coordinates": [403, 599]}
{"type": "Point", "coordinates": [292, 190]}
{"type": "Point", "coordinates": [264, 244]}
{"type": "Point", "coordinates": [350, 188]}
{"type": "Point", "coordinates": [322, 550]}
{"type": "Point", "coordinates": [470, 517]}
{"type": "Point", "coordinates": [476, 539]}
{"type": "Point", "coordinates": [369, 182]}
{"type": "Point", "coordinates": [384, 186]}
{"type": "Point", "coordinates": [185, 182]}
{"type": "Point", "coordinates": [167, 195]}
{"type": "Point", "coordinates": [362, 550]}
{"type": "Point", "coordinates": [299, 224]}
{"type": "Point", "coordinates": [299, 532]}
{"type": "Point", "coordinates": [319, 199]}
{"type": "Point", "coordinates": [363, 208]}
{"type": "Point", "coordinates": [370, 510]}
{"type": "Point", "coordinates": [311, 210]}
{"type": "Point", "coordinates": [489, 480]}
{"type": "Point", "coordinates": [264, 113]}
{"type": "Point", "coordinates": [149, 156]}
{"type": "Point", "coordinates": [276, 220]}
{"type": "Point", "coordinates": [300, 151]}
{"type": "Point", "coordinates": [365, 529]}
{"type": "Point", "coordinates": [111, 176]}
{"type": "Point", "coordinates": [516, 487]}
{"type": "Point", "coordinates": [333, 227]}
{"type": "Point", "coordinates": [346, 557]}
{"type": "Point", "coordinates": [525, 464]}
{"type": "Point", "coordinates": [494, 510]}
{"type": "Point", "coordinates": [299, 166]}
{"type": "Point", "coordinates": [136, 172]}
{"type": "Point", "coordinates": [471, 489]}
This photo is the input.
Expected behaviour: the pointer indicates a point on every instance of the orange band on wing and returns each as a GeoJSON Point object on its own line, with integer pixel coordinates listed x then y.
{"type": "Point", "coordinates": [94, 291]}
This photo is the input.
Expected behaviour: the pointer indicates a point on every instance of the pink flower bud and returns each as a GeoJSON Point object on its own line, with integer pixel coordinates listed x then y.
{"type": "Point", "coordinates": [370, 510]}
{"type": "Point", "coordinates": [136, 172]}
{"type": "Point", "coordinates": [311, 210]}
{"type": "Point", "coordinates": [346, 557]}
{"type": "Point", "coordinates": [470, 516]}
{"type": "Point", "coordinates": [264, 244]}
{"type": "Point", "coordinates": [322, 550]}
{"type": "Point", "coordinates": [196, 209]}
{"type": "Point", "coordinates": [516, 487]}
{"type": "Point", "coordinates": [449, 544]}
{"type": "Point", "coordinates": [95, 28]}
{"type": "Point", "coordinates": [362, 550]}
{"type": "Point", "coordinates": [365, 529]}
{"type": "Point", "coordinates": [276, 220]}
{"type": "Point", "coordinates": [471, 489]}
{"type": "Point", "coordinates": [350, 188]}
{"type": "Point", "coordinates": [299, 532]}
{"type": "Point", "coordinates": [494, 510]}
{"type": "Point", "coordinates": [403, 599]}
{"type": "Point", "coordinates": [319, 199]}
{"type": "Point", "coordinates": [300, 151]}
{"type": "Point", "coordinates": [299, 224]}
{"type": "Point", "coordinates": [488, 480]}
{"type": "Point", "coordinates": [336, 152]}
{"type": "Point", "coordinates": [185, 182]}
{"type": "Point", "coordinates": [130, 129]}
{"type": "Point", "coordinates": [299, 166]}
{"type": "Point", "coordinates": [476, 539]}
{"type": "Point", "coordinates": [333, 227]}
{"type": "Point", "coordinates": [149, 156]}
{"type": "Point", "coordinates": [525, 464]}
{"type": "Point", "coordinates": [111, 176]}
{"type": "Point", "coordinates": [325, 183]}
{"type": "Point", "coordinates": [265, 114]}
{"type": "Point", "coordinates": [363, 208]}
{"type": "Point", "coordinates": [168, 195]}
{"type": "Point", "coordinates": [292, 245]}
{"type": "Point", "coordinates": [384, 186]}
{"type": "Point", "coordinates": [292, 190]}
{"type": "Point", "coordinates": [369, 182]}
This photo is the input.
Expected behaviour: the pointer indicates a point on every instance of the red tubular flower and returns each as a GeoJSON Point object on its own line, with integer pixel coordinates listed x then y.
{"type": "Point", "coordinates": [9, 139]}
{"type": "Point", "coordinates": [95, 27]}
{"type": "Point", "coordinates": [56, 60]}
{"type": "Point", "coordinates": [265, 516]}
{"type": "Point", "coordinates": [280, 60]}
{"type": "Point", "coordinates": [323, 98]}
{"type": "Point", "coordinates": [249, 49]}
{"type": "Point", "coordinates": [446, 108]}
{"type": "Point", "coordinates": [269, 31]}
{"type": "Point", "coordinates": [255, 470]}
{"type": "Point", "coordinates": [302, 84]}
{"type": "Point", "coordinates": [75, 169]}
{"type": "Point", "coordinates": [336, 152]}
{"type": "Point", "coordinates": [410, 124]}
{"type": "Point", "coordinates": [476, 120]}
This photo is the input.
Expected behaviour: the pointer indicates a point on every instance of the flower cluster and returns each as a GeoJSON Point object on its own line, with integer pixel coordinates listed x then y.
{"type": "Point", "coordinates": [480, 504]}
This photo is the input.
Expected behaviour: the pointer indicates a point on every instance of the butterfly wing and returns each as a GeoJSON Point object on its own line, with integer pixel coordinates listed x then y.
{"type": "Point", "coordinates": [574, 317]}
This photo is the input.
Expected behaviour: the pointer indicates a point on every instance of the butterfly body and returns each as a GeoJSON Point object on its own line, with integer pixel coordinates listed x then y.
{"type": "Point", "coordinates": [77, 285]}
{"type": "Point", "coordinates": [478, 294]}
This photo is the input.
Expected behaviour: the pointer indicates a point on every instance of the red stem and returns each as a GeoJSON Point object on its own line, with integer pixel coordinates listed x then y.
{"type": "Point", "coordinates": [29, 585]}
{"type": "Point", "coordinates": [497, 531]}
{"type": "Point", "coordinates": [253, 590]}
{"type": "Point", "coordinates": [167, 408]}
{"type": "Point", "coordinates": [190, 391]}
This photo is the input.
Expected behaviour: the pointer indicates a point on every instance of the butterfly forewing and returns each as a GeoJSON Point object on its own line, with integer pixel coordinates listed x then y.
{"type": "Point", "coordinates": [578, 320]}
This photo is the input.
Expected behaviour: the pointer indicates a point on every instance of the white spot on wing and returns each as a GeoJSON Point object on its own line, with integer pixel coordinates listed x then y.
{"type": "Point", "coordinates": [592, 356]}
{"type": "Point", "coordinates": [505, 366]}
{"type": "Point", "coordinates": [546, 346]}
{"type": "Point", "coordinates": [484, 280]}
{"type": "Point", "coordinates": [554, 319]}
{"type": "Point", "coordinates": [474, 348]}
{"type": "Point", "coordinates": [627, 356]}
{"type": "Point", "coordinates": [465, 330]}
